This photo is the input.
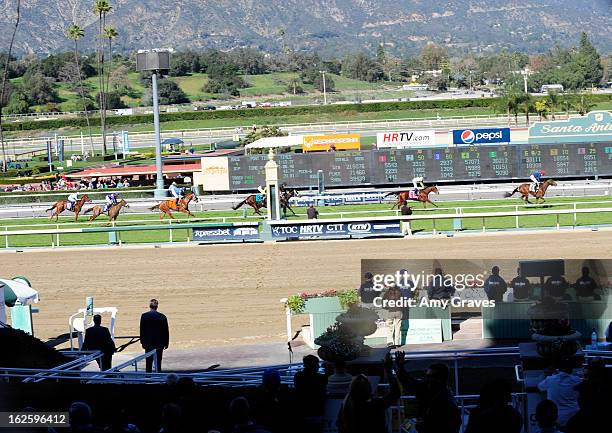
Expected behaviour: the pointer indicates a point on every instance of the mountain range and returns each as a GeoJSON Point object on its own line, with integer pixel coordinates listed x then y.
{"type": "Point", "coordinates": [327, 26]}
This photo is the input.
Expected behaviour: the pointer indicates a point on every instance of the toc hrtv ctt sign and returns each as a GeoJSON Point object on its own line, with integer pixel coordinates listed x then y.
{"type": "Point", "coordinates": [466, 137]}
{"type": "Point", "coordinates": [595, 126]}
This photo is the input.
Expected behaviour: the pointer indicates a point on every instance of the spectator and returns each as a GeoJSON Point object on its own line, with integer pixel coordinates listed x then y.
{"type": "Point", "coordinates": [312, 212]}
{"type": "Point", "coordinates": [546, 416]}
{"type": "Point", "coordinates": [126, 183]}
{"type": "Point", "coordinates": [271, 405]}
{"type": "Point", "coordinates": [437, 411]}
{"type": "Point", "coordinates": [154, 334]}
{"type": "Point", "coordinates": [494, 412]}
{"type": "Point", "coordinates": [99, 338]}
{"type": "Point", "coordinates": [585, 286]}
{"type": "Point", "coordinates": [366, 290]}
{"type": "Point", "coordinates": [594, 399]}
{"type": "Point", "coordinates": [241, 417]}
{"type": "Point", "coordinates": [556, 286]}
{"type": "Point", "coordinates": [439, 289]}
{"type": "Point", "coordinates": [521, 287]}
{"type": "Point", "coordinates": [361, 412]}
{"type": "Point", "coordinates": [171, 418]}
{"type": "Point", "coordinates": [559, 389]}
{"type": "Point", "coordinates": [406, 210]}
{"type": "Point", "coordinates": [310, 389]}
{"type": "Point", "coordinates": [393, 314]}
{"type": "Point", "coordinates": [79, 418]}
{"type": "Point", "coordinates": [340, 381]}
{"type": "Point", "coordinates": [495, 286]}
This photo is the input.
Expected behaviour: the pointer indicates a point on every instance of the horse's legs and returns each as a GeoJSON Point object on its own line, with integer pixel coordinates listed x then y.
{"type": "Point", "coordinates": [429, 201]}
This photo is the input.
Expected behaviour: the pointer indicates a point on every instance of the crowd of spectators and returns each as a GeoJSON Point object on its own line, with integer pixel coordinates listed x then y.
{"type": "Point", "coordinates": [65, 184]}
{"type": "Point", "coordinates": [363, 407]}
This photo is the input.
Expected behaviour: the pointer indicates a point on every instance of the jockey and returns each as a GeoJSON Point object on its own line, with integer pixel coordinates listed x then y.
{"type": "Point", "coordinates": [263, 190]}
{"type": "Point", "coordinates": [111, 199]}
{"type": "Point", "coordinates": [72, 199]}
{"type": "Point", "coordinates": [417, 183]}
{"type": "Point", "coordinates": [176, 192]}
{"type": "Point", "coordinates": [536, 179]}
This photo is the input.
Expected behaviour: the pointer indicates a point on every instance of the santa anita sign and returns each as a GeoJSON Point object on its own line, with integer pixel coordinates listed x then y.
{"type": "Point", "coordinates": [595, 126]}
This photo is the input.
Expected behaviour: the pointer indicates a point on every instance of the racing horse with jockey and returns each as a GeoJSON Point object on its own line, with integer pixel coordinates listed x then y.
{"type": "Point", "coordinates": [179, 202]}
{"type": "Point", "coordinates": [259, 201]}
{"type": "Point", "coordinates": [73, 203]}
{"type": "Point", "coordinates": [537, 188]}
{"type": "Point", "coordinates": [419, 193]}
{"type": "Point", "coordinates": [112, 207]}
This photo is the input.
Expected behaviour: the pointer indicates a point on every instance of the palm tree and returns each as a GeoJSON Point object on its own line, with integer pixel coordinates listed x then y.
{"type": "Point", "coordinates": [584, 104]}
{"type": "Point", "coordinates": [527, 106]}
{"type": "Point", "coordinates": [109, 33]}
{"type": "Point", "coordinates": [101, 8]}
{"type": "Point", "coordinates": [75, 33]}
{"type": "Point", "coordinates": [4, 78]}
{"type": "Point", "coordinates": [567, 102]}
{"type": "Point", "coordinates": [553, 102]}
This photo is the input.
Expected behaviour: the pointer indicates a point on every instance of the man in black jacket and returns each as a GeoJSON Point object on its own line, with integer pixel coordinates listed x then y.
{"type": "Point", "coordinates": [154, 334]}
{"type": "Point", "coordinates": [99, 338]}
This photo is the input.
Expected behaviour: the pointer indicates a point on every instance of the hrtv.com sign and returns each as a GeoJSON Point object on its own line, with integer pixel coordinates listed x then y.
{"type": "Point", "coordinates": [405, 139]}
{"type": "Point", "coordinates": [466, 137]}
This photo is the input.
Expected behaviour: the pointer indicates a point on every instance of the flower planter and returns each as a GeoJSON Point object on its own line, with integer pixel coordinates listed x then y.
{"type": "Point", "coordinates": [322, 305]}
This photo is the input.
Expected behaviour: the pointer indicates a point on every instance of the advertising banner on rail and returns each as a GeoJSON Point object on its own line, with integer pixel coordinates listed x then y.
{"type": "Point", "coordinates": [224, 232]}
{"type": "Point", "coordinates": [466, 137]}
{"type": "Point", "coordinates": [323, 143]}
{"type": "Point", "coordinates": [335, 229]}
{"type": "Point", "coordinates": [595, 126]}
{"type": "Point", "coordinates": [405, 139]}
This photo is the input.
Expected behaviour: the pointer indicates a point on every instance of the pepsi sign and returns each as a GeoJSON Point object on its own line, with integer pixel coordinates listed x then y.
{"type": "Point", "coordinates": [467, 137]}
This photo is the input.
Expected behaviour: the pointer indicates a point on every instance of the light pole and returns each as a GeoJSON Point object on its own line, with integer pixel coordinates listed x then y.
{"type": "Point", "coordinates": [324, 88]}
{"type": "Point", "coordinates": [525, 74]}
{"type": "Point", "coordinates": [156, 61]}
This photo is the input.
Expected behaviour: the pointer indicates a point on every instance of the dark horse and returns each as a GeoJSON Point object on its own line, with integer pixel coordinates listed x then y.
{"type": "Point", "coordinates": [62, 205]}
{"type": "Point", "coordinates": [113, 212]}
{"type": "Point", "coordinates": [167, 206]}
{"type": "Point", "coordinates": [525, 191]}
{"type": "Point", "coordinates": [422, 196]}
{"type": "Point", "coordinates": [284, 196]}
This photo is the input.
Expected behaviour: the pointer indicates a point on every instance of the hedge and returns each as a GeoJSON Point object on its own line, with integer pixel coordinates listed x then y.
{"type": "Point", "coordinates": [268, 112]}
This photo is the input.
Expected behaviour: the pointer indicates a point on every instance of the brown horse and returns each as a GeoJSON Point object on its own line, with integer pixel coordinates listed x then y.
{"type": "Point", "coordinates": [284, 197]}
{"type": "Point", "coordinates": [251, 200]}
{"type": "Point", "coordinates": [167, 206]}
{"type": "Point", "coordinates": [525, 190]}
{"type": "Point", "coordinates": [422, 196]}
{"type": "Point", "coordinates": [113, 212]}
{"type": "Point", "coordinates": [62, 205]}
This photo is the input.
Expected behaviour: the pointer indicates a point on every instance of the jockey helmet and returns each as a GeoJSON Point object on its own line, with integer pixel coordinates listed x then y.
{"type": "Point", "coordinates": [543, 172]}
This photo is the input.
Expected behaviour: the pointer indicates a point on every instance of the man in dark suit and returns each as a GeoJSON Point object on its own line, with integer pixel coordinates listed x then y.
{"type": "Point", "coordinates": [99, 338]}
{"type": "Point", "coordinates": [154, 334]}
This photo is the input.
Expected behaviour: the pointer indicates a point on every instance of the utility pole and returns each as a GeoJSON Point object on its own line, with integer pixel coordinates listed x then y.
{"type": "Point", "coordinates": [324, 89]}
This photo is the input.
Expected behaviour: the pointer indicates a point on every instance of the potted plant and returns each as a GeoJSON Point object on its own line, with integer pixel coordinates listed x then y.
{"type": "Point", "coordinates": [360, 321]}
{"type": "Point", "coordinates": [552, 332]}
{"type": "Point", "coordinates": [324, 302]}
{"type": "Point", "coordinates": [338, 344]}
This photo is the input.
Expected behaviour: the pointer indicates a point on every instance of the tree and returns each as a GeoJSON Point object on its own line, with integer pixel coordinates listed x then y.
{"type": "Point", "coordinates": [102, 8]}
{"type": "Point", "coordinates": [120, 81]}
{"type": "Point", "coordinates": [4, 80]}
{"type": "Point", "coordinates": [113, 101]}
{"type": "Point", "coordinates": [109, 33]}
{"type": "Point", "coordinates": [541, 108]}
{"type": "Point", "coordinates": [588, 62]}
{"type": "Point", "coordinates": [38, 89]}
{"type": "Point", "coordinates": [18, 104]}
{"type": "Point", "coordinates": [294, 86]}
{"type": "Point", "coordinates": [75, 33]}
{"type": "Point", "coordinates": [169, 93]}
{"type": "Point", "coordinates": [223, 78]}
{"type": "Point", "coordinates": [583, 104]}
{"type": "Point", "coordinates": [266, 131]}
{"type": "Point", "coordinates": [249, 61]}
{"type": "Point", "coordinates": [432, 56]}
{"type": "Point", "coordinates": [527, 106]}
{"type": "Point", "coordinates": [362, 67]}
{"type": "Point", "coordinates": [553, 100]}
{"type": "Point", "coordinates": [330, 84]}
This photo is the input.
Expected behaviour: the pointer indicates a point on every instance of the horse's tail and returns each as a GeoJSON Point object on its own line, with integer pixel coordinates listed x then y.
{"type": "Point", "coordinates": [51, 208]}
{"type": "Point", "coordinates": [155, 207]}
{"type": "Point", "coordinates": [239, 205]}
{"type": "Point", "coordinates": [389, 193]}
{"type": "Point", "coordinates": [88, 210]}
{"type": "Point", "coordinates": [510, 194]}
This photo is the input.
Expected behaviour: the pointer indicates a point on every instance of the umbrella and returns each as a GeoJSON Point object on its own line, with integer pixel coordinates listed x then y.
{"type": "Point", "coordinates": [172, 141]}
{"type": "Point", "coordinates": [18, 290]}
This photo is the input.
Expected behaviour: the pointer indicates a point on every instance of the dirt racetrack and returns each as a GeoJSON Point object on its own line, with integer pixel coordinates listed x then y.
{"type": "Point", "coordinates": [229, 294]}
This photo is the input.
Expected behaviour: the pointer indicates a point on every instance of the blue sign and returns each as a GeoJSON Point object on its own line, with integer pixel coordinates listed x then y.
{"type": "Point", "coordinates": [467, 137]}
{"type": "Point", "coordinates": [595, 126]}
{"type": "Point", "coordinates": [225, 233]}
{"type": "Point", "coordinates": [335, 229]}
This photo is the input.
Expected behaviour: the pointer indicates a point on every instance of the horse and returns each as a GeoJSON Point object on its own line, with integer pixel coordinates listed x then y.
{"type": "Point", "coordinates": [113, 212]}
{"type": "Point", "coordinates": [525, 190]}
{"type": "Point", "coordinates": [167, 206]}
{"type": "Point", "coordinates": [422, 196]}
{"type": "Point", "coordinates": [285, 196]}
{"type": "Point", "coordinates": [62, 205]}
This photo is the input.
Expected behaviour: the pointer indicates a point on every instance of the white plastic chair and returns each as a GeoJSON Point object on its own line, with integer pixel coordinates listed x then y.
{"type": "Point", "coordinates": [78, 323]}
